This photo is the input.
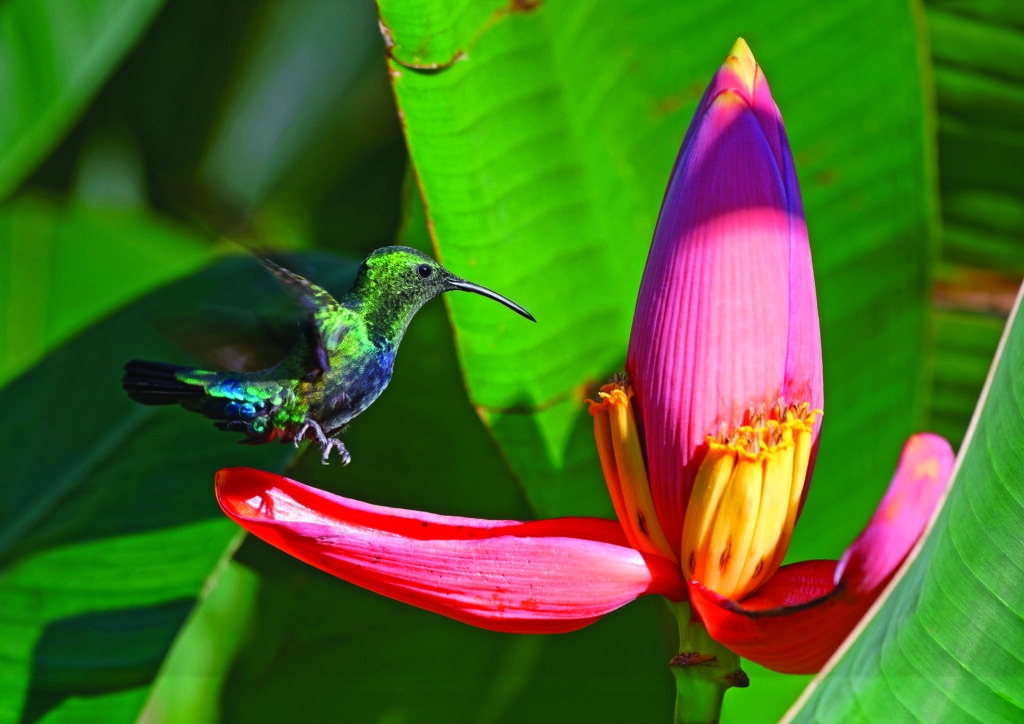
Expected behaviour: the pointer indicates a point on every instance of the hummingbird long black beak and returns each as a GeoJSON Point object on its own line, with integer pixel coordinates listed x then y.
{"type": "Point", "coordinates": [455, 282]}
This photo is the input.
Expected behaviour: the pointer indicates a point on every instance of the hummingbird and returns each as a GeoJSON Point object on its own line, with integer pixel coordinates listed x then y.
{"type": "Point", "coordinates": [338, 369]}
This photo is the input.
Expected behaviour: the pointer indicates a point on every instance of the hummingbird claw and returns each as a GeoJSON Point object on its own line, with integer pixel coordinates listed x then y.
{"type": "Point", "coordinates": [326, 443]}
{"type": "Point", "coordinates": [333, 442]}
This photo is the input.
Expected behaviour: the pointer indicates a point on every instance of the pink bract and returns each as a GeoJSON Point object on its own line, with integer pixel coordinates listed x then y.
{"type": "Point", "coordinates": [727, 317]}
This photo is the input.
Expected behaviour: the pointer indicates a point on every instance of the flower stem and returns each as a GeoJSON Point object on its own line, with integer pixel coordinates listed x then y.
{"type": "Point", "coordinates": [704, 669]}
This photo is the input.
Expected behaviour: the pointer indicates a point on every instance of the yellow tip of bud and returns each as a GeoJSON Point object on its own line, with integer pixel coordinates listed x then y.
{"type": "Point", "coordinates": [743, 60]}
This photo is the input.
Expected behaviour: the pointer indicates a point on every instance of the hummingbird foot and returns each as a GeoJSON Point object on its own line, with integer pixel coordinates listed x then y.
{"type": "Point", "coordinates": [326, 443]}
{"type": "Point", "coordinates": [333, 442]}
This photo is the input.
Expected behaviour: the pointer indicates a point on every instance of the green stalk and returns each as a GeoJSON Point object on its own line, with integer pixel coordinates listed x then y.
{"type": "Point", "coordinates": [704, 669]}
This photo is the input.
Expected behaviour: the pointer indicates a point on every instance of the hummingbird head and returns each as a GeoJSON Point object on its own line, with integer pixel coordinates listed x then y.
{"type": "Point", "coordinates": [409, 279]}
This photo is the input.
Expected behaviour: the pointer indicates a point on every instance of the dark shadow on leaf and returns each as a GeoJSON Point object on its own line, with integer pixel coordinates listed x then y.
{"type": "Point", "coordinates": [101, 653]}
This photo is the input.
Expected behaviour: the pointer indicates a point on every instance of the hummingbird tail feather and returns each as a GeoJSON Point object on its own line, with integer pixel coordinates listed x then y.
{"type": "Point", "coordinates": [157, 383]}
{"type": "Point", "coordinates": [220, 396]}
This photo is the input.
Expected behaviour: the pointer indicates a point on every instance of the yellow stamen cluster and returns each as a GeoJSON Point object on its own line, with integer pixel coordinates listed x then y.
{"type": "Point", "coordinates": [745, 499]}
{"type": "Point", "coordinates": [618, 443]}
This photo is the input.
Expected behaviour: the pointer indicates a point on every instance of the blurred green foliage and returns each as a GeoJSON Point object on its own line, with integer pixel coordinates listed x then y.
{"type": "Point", "coordinates": [69, 264]}
{"type": "Point", "coordinates": [978, 66]}
{"type": "Point", "coordinates": [139, 136]}
{"type": "Point", "coordinates": [55, 58]}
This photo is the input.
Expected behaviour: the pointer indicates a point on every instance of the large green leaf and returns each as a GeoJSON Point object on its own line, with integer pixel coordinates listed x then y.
{"type": "Point", "coordinates": [542, 135]}
{"type": "Point", "coordinates": [63, 267]}
{"type": "Point", "coordinates": [978, 52]}
{"type": "Point", "coordinates": [108, 525]}
{"type": "Point", "coordinates": [54, 55]}
{"type": "Point", "coordinates": [542, 141]}
{"type": "Point", "coordinates": [948, 642]}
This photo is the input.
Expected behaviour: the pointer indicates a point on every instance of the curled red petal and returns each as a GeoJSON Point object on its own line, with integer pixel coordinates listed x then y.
{"type": "Point", "coordinates": [796, 637]}
{"type": "Point", "coordinates": [794, 585]}
{"type": "Point", "coordinates": [796, 621]}
{"type": "Point", "coordinates": [539, 577]}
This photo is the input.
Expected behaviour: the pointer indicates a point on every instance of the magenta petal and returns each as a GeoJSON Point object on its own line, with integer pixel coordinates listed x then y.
{"type": "Point", "coordinates": [726, 318]}
{"type": "Point", "coordinates": [541, 577]}
{"type": "Point", "coordinates": [918, 485]}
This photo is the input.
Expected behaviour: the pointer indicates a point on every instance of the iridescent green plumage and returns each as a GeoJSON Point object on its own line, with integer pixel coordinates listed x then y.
{"type": "Point", "coordinates": [337, 371]}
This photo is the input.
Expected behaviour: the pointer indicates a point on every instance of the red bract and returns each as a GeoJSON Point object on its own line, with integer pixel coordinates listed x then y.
{"type": "Point", "coordinates": [544, 576]}
{"type": "Point", "coordinates": [725, 365]}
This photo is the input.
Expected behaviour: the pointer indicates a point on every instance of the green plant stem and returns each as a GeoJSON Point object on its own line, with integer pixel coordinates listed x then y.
{"type": "Point", "coordinates": [704, 669]}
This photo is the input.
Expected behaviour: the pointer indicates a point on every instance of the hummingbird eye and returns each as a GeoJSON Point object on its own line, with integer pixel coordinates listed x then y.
{"type": "Point", "coordinates": [424, 270]}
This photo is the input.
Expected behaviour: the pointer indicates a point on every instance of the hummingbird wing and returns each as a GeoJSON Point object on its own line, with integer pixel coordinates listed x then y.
{"type": "Point", "coordinates": [239, 340]}
{"type": "Point", "coordinates": [327, 318]}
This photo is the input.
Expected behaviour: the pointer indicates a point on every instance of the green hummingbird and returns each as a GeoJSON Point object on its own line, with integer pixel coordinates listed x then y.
{"type": "Point", "coordinates": [336, 371]}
